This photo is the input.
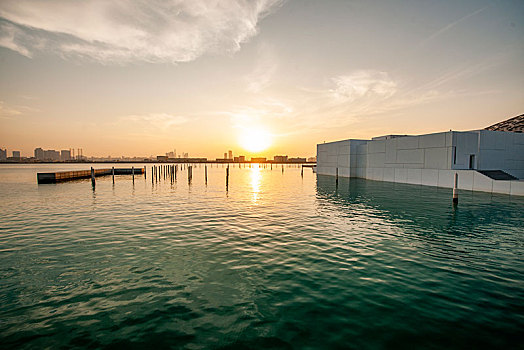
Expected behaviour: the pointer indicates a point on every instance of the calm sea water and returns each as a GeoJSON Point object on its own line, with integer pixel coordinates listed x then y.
{"type": "Point", "coordinates": [276, 261]}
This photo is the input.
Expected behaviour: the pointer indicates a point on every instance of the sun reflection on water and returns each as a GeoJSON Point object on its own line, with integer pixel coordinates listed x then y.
{"type": "Point", "coordinates": [256, 177]}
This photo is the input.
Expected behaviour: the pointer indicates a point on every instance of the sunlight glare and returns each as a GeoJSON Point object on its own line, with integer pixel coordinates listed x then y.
{"type": "Point", "coordinates": [256, 177]}
{"type": "Point", "coordinates": [255, 139]}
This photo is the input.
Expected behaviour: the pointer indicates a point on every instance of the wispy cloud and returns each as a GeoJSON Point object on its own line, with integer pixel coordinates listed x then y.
{"type": "Point", "coordinates": [265, 68]}
{"type": "Point", "coordinates": [9, 111]}
{"type": "Point", "coordinates": [123, 30]}
{"type": "Point", "coordinates": [161, 121]}
{"type": "Point", "coordinates": [348, 99]}
{"type": "Point", "coordinates": [449, 26]}
{"type": "Point", "coordinates": [363, 83]}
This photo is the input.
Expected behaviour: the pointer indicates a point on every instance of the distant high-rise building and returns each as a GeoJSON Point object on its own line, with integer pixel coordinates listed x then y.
{"type": "Point", "coordinates": [51, 155]}
{"type": "Point", "coordinates": [65, 155]}
{"type": "Point", "coordinates": [297, 160]}
{"type": "Point", "coordinates": [241, 158]}
{"type": "Point", "coordinates": [280, 159]}
{"type": "Point", "coordinates": [16, 154]}
{"type": "Point", "coordinates": [186, 155]}
{"type": "Point", "coordinates": [312, 159]}
{"type": "Point", "coordinates": [170, 154]}
{"type": "Point", "coordinates": [39, 153]}
{"type": "Point", "coordinates": [3, 154]}
{"type": "Point", "coordinates": [230, 154]}
{"type": "Point", "coordinates": [258, 160]}
{"type": "Point", "coordinates": [225, 155]}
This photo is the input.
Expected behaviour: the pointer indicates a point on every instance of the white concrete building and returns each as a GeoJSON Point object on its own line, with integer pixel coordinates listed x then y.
{"type": "Point", "coordinates": [490, 161]}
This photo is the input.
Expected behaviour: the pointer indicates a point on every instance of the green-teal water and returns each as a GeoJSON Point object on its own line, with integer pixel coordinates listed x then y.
{"type": "Point", "coordinates": [276, 261]}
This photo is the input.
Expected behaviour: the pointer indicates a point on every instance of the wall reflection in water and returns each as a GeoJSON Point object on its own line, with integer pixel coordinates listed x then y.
{"type": "Point", "coordinates": [428, 209]}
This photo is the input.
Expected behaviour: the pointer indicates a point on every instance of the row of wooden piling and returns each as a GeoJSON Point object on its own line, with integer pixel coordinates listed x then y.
{"type": "Point", "coordinates": [171, 171]}
{"type": "Point", "coordinates": [93, 178]}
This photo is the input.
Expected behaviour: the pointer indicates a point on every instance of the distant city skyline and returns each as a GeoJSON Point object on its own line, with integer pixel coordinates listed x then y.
{"type": "Point", "coordinates": [259, 77]}
{"type": "Point", "coordinates": [51, 155]}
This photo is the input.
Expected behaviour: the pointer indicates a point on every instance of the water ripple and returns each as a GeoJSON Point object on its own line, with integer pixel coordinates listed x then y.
{"type": "Point", "coordinates": [281, 262]}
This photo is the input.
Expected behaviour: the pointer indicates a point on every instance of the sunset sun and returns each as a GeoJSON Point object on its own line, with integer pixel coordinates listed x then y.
{"type": "Point", "coordinates": [255, 140]}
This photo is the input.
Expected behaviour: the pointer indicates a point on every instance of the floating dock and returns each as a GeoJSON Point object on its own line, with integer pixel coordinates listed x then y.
{"type": "Point", "coordinates": [60, 176]}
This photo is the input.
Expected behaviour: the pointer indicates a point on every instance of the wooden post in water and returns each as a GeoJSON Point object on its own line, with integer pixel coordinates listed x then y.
{"type": "Point", "coordinates": [227, 178]}
{"type": "Point", "coordinates": [282, 168]}
{"type": "Point", "coordinates": [455, 190]}
{"type": "Point", "coordinates": [206, 174]}
{"type": "Point", "coordinates": [302, 171]}
{"type": "Point", "coordinates": [93, 177]}
{"type": "Point", "coordinates": [337, 177]}
{"type": "Point", "coordinates": [113, 173]}
{"type": "Point", "coordinates": [133, 173]}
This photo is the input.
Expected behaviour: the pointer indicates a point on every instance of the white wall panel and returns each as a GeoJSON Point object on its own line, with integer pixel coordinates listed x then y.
{"type": "Point", "coordinates": [408, 142]}
{"type": "Point", "coordinates": [410, 156]}
{"type": "Point", "coordinates": [429, 177]}
{"type": "Point", "coordinates": [414, 176]}
{"type": "Point", "coordinates": [517, 188]}
{"type": "Point", "coordinates": [432, 140]}
{"type": "Point", "coordinates": [436, 158]}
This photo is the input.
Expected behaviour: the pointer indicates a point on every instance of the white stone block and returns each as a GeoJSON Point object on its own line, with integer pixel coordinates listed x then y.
{"type": "Point", "coordinates": [389, 174]}
{"type": "Point", "coordinates": [482, 182]}
{"type": "Point", "coordinates": [411, 166]}
{"type": "Point", "coordinates": [429, 177]}
{"type": "Point", "coordinates": [465, 179]}
{"type": "Point", "coordinates": [432, 140]}
{"type": "Point", "coordinates": [517, 188]}
{"type": "Point", "coordinates": [446, 178]}
{"type": "Point", "coordinates": [449, 139]}
{"type": "Point", "coordinates": [518, 138]}
{"type": "Point", "coordinates": [378, 174]}
{"type": "Point", "coordinates": [376, 160]}
{"type": "Point", "coordinates": [410, 156]}
{"type": "Point", "coordinates": [401, 175]}
{"type": "Point", "coordinates": [343, 160]}
{"type": "Point", "coordinates": [407, 142]}
{"type": "Point", "coordinates": [491, 159]}
{"type": "Point", "coordinates": [436, 158]}
{"type": "Point", "coordinates": [343, 172]}
{"type": "Point", "coordinates": [414, 176]}
{"type": "Point", "coordinates": [362, 149]}
{"type": "Point", "coordinates": [376, 146]}
{"type": "Point", "coordinates": [344, 148]}
{"type": "Point", "coordinates": [494, 140]}
{"type": "Point", "coordinates": [391, 154]}
{"type": "Point", "coordinates": [500, 186]}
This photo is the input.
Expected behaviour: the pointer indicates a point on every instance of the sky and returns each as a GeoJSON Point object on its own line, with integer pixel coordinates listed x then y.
{"type": "Point", "coordinates": [258, 77]}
